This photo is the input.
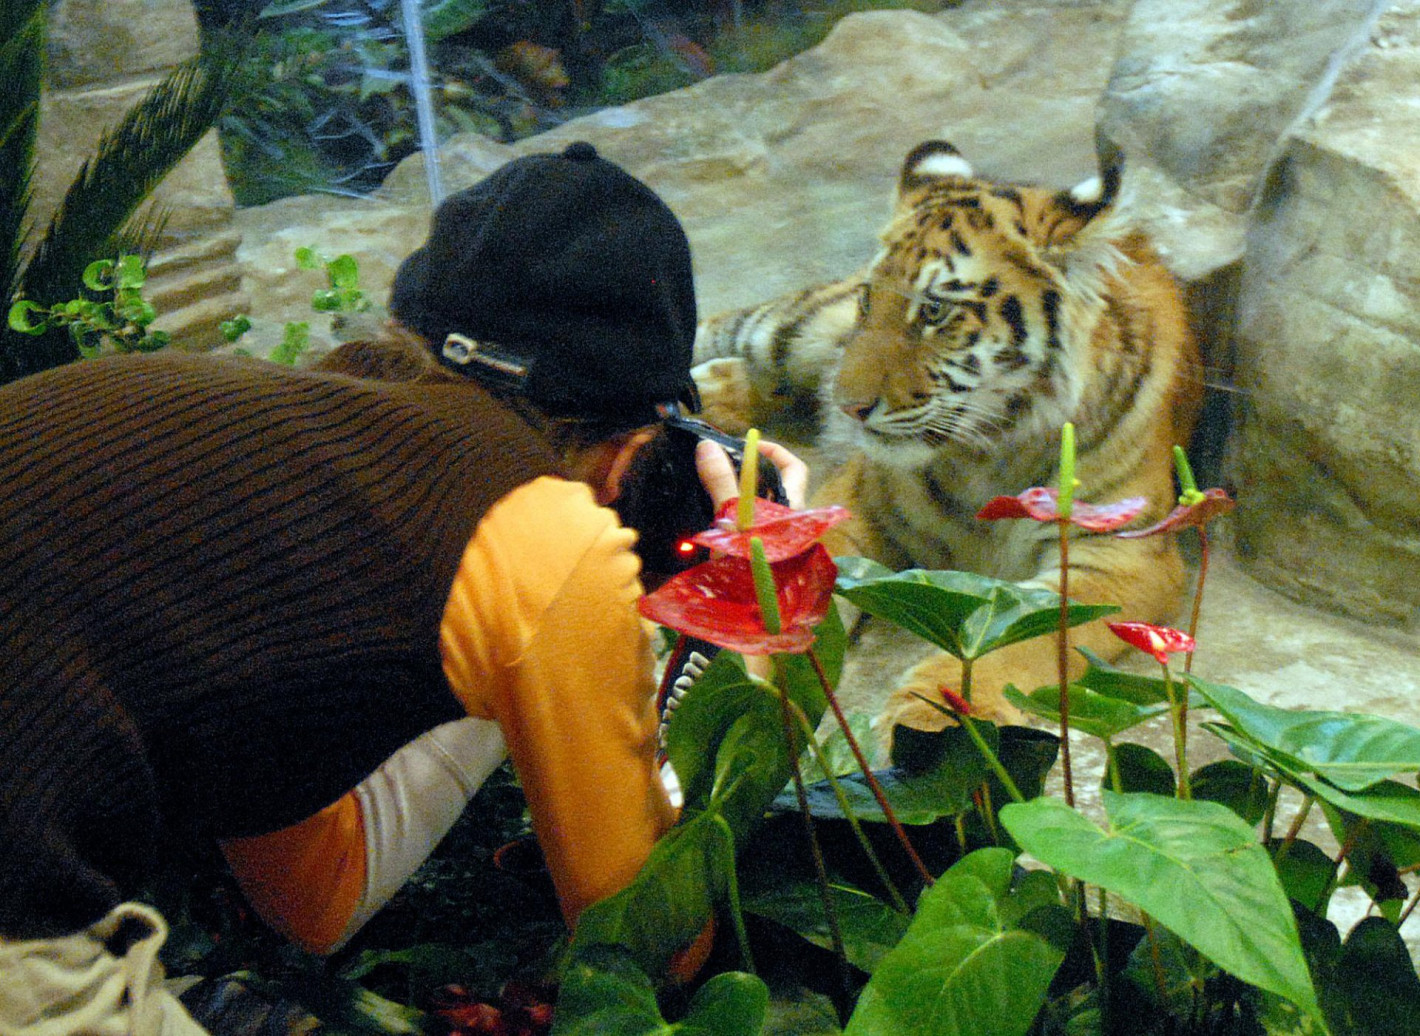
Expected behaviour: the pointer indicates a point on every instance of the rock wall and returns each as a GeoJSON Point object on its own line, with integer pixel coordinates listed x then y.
{"type": "Point", "coordinates": [1199, 98]}
{"type": "Point", "coordinates": [103, 56]}
{"type": "Point", "coordinates": [1271, 153]}
{"type": "Point", "coordinates": [1327, 449]}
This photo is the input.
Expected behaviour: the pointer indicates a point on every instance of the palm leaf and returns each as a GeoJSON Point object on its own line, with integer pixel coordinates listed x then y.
{"type": "Point", "coordinates": [21, 69]}
{"type": "Point", "coordinates": [131, 160]}
{"type": "Point", "coordinates": [95, 220]}
{"type": "Point", "coordinates": [444, 18]}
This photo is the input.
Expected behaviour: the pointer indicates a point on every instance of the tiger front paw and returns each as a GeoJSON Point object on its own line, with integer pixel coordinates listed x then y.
{"type": "Point", "coordinates": [912, 703]}
{"type": "Point", "coordinates": [726, 396]}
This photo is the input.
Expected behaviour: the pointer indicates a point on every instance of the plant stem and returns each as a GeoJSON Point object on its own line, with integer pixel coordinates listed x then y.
{"type": "Point", "coordinates": [1180, 734]}
{"type": "Point", "coordinates": [737, 918]}
{"type": "Point", "coordinates": [868, 776]}
{"type": "Point", "coordinates": [1157, 959]}
{"type": "Point", "coordinates": [1062, 658]}
{"type": "Point", "coordinates": [1294, 830]}
{"type": "Point", "coordinates": [843, 804]}
{"type": "Point", "coordinates": [1111, 766]}
{"type": "Point", "coordinates": [1102, 961]}
{"type": "Point", "coordinates": [830, 911]}
{"type": "Point", "coordinates": [1409, 906]}
{"type": "Point", "coordinates": [1080, 894]}
{"type": "Point", "coordinates": [1197, 604]}
{"type": "Point", "coordinates": [988, 812]}
{"type": "Point", "coordinates": [969, 725]}
{"type": "Point", "coordinates": [966, 680]}
{"type": "Point", "coordinates": [992, 759]}
{"type": "Point", "coordinates": [1343, 858]}
{"type": "Point", "coordinates": [1269, 815]}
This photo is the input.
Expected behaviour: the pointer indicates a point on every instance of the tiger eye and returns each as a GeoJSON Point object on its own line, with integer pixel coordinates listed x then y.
{"type": "Point", "coordinates": [932, 311]}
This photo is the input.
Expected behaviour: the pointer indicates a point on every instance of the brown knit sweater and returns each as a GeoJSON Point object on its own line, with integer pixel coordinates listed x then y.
{"type": "Point", "coordinates": [221, 584]}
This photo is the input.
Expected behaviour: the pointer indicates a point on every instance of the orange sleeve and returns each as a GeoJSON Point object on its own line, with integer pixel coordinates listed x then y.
{"type": "Point", "coordinates": [542, 634]}
{"type": "Point", "coordinates": [306, 880]}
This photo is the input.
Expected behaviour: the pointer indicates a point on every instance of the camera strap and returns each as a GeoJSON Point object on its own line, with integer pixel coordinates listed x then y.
{"type": "Point", "coordinates": [688, 660]}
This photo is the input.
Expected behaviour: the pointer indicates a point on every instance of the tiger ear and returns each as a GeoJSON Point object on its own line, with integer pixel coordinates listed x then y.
{"type": "Point", "coordinates": [1084, 202]}
{"type": "Point", "coordinates": [929, 162]}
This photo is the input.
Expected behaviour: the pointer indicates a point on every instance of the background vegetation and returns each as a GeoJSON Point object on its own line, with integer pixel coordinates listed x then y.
{"type": "Point", "coordinates": [324, 102]}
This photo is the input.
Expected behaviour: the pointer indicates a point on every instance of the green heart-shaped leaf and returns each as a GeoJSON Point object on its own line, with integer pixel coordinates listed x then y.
{"type": "Point", "coordinates": [1093, 713]}
{"type": "Point", "coordinates": [1350, 750]}
{"type": "Point", "coordinates": [1193, 866]}
{"type": "Point", "coordinates": [962, 969]}
{"type": "Point", "coordinates": [964, 614]}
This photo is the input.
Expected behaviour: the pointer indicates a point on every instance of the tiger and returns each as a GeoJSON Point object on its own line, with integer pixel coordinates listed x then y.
{"type": "Point", "coordinates": [941, 375]}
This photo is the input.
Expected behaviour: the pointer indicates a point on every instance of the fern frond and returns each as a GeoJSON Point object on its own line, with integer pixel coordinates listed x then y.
{"type": "Point", "coordinates": [131, 160]}
{"type": "Point", "coordinates": [141, 234]}
{"type": "Point", "coordinates": [21, 70]}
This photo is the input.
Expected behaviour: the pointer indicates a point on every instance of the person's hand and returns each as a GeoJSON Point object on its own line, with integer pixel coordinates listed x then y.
{"type": "Point", "coordinates": [718, 476]}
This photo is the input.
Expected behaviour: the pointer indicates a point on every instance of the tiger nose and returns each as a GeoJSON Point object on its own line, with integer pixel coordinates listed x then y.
{"type": "Point", "coordinates": [858, 409]}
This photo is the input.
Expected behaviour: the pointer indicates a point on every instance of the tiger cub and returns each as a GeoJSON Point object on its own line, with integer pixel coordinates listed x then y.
{"type": "Point", "coordinates": [992, 314]}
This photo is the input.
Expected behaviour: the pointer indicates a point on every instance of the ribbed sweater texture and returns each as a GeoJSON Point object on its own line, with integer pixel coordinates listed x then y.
{"type": "Point", "coordinates": [221, 584]}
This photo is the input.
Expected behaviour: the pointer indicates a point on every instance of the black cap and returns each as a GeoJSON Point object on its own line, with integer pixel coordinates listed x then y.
{"type": "Point", "coordinates": [560, 277]}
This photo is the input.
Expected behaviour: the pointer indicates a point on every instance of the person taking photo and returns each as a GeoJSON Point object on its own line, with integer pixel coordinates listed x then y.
{"type": "Point", "coordinates": [304, 613]}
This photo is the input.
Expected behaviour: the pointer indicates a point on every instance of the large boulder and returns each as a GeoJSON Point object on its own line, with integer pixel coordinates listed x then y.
{"type": "Point", "coordinates": [1327, 454]}
{"type": "Point", "coordinates": [101, 41]}
{"type": "Point", "coordinates": [1200, 96]}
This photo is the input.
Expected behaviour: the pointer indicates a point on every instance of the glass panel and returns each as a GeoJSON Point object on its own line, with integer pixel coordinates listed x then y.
{"type": "Point", "coordinates": [1125, 177]}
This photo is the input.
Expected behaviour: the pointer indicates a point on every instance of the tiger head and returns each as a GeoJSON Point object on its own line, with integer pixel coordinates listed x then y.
{"type": "Point", "coordinates": [975, 318]}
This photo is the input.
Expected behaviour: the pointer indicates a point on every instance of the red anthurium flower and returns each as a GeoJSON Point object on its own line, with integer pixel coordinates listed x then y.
{"type": "Point", "coordinates": [1159, 641]}
{"type": "Point", "coordinates": [716, 602]}
{"type": "Point", "coordinates": [1210, 504]}
{"type": "Point", "coordinates": [519, 1011]}
{"type": "Point", "coordinates": [1042, 504]}
{"type": "Point", "coordinates": [783, 530]}
{"type": "Point", "coordinates": [955, 701]}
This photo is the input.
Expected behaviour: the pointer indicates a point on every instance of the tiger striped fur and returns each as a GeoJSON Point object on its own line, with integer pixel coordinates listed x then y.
{"type": "Point", "coordinates": [942, 374]}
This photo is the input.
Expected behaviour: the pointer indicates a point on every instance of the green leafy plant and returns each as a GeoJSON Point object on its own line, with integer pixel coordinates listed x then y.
{"type": "Point", "coordinates": [117, 324]}
{"type": "Point", "coordinates": [951, 893]}
{"type": "Point", "coordinates": [342, 294]}
{"type": "Point", "coordinates": [1177, 908]}
{"type": "Point", "coordinates": [100, 216]}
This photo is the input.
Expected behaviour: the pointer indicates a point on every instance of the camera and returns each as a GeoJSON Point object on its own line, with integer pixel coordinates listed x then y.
{"type": "Point", "coordinates": [663, 500]}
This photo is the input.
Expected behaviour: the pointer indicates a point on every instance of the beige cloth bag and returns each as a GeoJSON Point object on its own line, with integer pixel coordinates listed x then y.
{"type": "Point", "coordinates": [75, 985]}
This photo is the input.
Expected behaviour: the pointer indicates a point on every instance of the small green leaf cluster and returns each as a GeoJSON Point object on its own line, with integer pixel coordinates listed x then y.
{"type": "Point", "coordinates": [118, 323]}
{"type": "Point", "coordinates": [114, 317]}
{"type": "Point", "coordinates": [341, 295]}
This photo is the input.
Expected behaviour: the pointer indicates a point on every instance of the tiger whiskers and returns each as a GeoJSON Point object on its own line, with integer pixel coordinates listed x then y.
{"type": "Point", "coordinates": [970, 422]}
